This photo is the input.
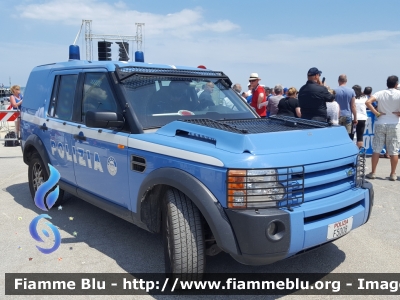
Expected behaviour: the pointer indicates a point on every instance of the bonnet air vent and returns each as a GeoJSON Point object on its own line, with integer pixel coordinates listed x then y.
{"type": "Point", "coordinates": [196, 136]}
{"type": "Point", "coordinates": [138, 163]}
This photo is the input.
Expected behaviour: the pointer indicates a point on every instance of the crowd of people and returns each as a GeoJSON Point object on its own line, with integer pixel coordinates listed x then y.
{"type": "Point", "coordinates": [343, 106]}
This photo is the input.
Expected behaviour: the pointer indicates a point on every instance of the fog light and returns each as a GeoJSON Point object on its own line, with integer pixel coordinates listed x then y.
{"type": "Point", "coordinates": [275, 230]}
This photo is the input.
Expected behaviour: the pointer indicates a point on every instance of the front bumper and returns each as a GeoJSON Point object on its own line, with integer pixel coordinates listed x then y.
{"type": "Point", "coordinates": [257, 246]}
{"type": "Point", "coordinates": [303, 228]}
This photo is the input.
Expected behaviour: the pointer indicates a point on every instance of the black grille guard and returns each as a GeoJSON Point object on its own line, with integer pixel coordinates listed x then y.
{"type": "Point", "coordinates": [259, 125]}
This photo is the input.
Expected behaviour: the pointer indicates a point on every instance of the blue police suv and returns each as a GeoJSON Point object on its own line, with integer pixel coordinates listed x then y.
{"type": "Point", "coordinates": [176, 151]}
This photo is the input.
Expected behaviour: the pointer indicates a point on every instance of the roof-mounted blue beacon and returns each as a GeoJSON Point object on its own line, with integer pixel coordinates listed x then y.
{"type": "Point", "coordinates": [74, 52]}
{"type": "Point", "coordinates": [139, 56]}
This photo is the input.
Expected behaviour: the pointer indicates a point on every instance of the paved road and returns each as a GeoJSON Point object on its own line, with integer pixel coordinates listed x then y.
{"type": "Point", "coordinates": [107, 244]}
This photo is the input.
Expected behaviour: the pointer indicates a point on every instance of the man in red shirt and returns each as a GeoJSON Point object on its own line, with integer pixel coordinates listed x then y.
{"type": "Point", "coordinates": [258, 95]}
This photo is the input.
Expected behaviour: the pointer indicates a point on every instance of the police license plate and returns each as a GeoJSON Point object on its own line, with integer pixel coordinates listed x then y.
{"type": "Point", "coordinates": [338, 229]}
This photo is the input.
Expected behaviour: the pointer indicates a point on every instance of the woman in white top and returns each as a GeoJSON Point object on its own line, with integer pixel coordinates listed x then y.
{"type": "Point", "coordinates": [16, 102]}
{"type": "Point", "coordinates": [361, 114]}
{"type": "Point", "coordinates": [333, 109]}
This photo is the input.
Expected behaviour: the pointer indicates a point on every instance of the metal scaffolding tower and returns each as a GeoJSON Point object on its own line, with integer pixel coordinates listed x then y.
{"type": "Point", "coordinates": [89, 37]}
{"type": "Point", "coordinates": [139, 36]}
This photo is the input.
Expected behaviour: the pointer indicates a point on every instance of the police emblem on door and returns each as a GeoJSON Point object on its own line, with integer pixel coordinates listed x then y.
{"type": "Point", "coordinates": [112, 166]}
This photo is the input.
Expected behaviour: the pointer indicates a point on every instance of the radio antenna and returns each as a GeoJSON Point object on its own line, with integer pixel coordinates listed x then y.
{"type": "Point", "coordinates": [79, 33]}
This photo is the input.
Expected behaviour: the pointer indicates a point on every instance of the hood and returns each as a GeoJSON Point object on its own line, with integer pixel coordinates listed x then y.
{"type": "Point", "coordinates": [272, 140]}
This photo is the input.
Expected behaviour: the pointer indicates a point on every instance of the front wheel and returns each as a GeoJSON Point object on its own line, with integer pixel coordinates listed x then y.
{"type": "Point", "coordinates": [183, 237]}
{"type": "Point", "coordinates": [37, 174]}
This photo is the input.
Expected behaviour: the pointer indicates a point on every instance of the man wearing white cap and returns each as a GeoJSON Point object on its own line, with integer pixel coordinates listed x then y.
{"type": "Point", "coordinates": [258, 95]}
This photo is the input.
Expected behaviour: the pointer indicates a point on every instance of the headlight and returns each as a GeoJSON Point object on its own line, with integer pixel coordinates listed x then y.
{"type": "Point", "coordinates": [254, 188]}
{"type": "Point", "coordinates": [360, 167]}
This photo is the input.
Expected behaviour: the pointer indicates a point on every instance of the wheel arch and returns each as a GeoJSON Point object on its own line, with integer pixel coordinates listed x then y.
{"type": "Point", "coordinates": [153, 189]}
{"type": "Point", "coordinates": [34, 144]}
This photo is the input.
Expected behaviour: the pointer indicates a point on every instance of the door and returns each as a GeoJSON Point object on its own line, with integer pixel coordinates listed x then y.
{"type": "Point", "coordinates": [102, 164]}
{"type": "Point", "coordinates": [57, 130]}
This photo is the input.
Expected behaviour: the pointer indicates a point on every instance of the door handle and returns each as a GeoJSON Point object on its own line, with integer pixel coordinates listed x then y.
{"type": "Point", "coordinates": [43, 127]}
{"type": "Point", "coordinates": [79, 137]}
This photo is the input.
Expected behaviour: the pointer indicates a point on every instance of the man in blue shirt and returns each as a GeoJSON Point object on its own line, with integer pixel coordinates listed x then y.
{"type": "Point", "coordinates": [346, 98]}
{"type": "Point", "coordinates": [285, 90]}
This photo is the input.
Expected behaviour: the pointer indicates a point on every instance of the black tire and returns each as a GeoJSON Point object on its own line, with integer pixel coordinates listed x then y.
{"type": "Point", "coordinates": [183, 237]}
{"type": "Point", "coordinates": [37, 174]}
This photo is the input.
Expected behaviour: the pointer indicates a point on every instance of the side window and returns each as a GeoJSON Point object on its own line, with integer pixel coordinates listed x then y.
{"type": "Point", "coordinates": [52, 106]}
{"type": "Point", "coordinates": [62, 103]}
{"type": "Point", "coordinates": [97, 94]}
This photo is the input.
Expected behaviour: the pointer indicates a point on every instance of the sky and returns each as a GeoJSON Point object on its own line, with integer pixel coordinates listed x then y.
{"type": "Point", "coordinates": [280, 40]}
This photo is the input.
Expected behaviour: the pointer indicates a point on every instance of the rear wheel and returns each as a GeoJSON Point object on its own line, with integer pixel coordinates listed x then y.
{"type": "Point", "coordinates": [37, 174]}
{"type": "Point", "coordinates": [183, 237]}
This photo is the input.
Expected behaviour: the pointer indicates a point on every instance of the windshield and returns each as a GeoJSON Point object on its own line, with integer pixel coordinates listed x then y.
{"type": "Point", "coordinates": [160, 100]}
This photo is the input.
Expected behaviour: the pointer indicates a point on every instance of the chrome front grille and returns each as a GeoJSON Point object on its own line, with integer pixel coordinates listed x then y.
{"type": "Point", "coordinates": [329, 178]}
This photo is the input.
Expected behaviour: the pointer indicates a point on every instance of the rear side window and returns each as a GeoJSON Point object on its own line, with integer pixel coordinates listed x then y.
{"type": "Point", "coordinates": [97, 94]}
{"type": "Point", "coordinates": [63, 97]}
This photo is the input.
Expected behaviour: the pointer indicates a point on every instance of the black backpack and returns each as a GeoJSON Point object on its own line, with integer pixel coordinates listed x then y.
{"type": "Point", "coordinates": [12, 143]}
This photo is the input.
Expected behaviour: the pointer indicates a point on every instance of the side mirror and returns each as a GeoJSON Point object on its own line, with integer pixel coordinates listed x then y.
{"type": "Point", "coordinates": [104, 119]}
